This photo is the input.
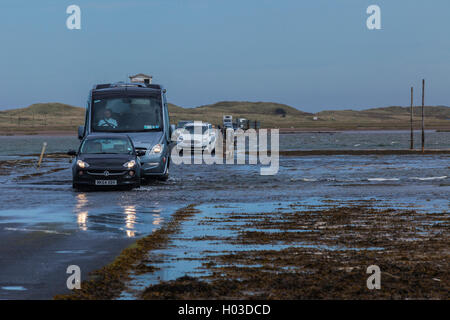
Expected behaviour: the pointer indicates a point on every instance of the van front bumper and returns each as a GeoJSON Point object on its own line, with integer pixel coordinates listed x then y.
{"type": "Point", "coordinates": [87, 178]}
{"type": "Point", "coordinates": [151, 166]}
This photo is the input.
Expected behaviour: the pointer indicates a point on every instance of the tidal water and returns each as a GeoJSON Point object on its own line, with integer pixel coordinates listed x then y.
{"type": "Point", "coordinates": [45, 225]}
{"type": "Point", "coordinates": [23, 145]}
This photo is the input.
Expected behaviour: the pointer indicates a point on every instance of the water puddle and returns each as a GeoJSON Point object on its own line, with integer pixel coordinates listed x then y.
{"type": "Point", "coordinates": [36, 230]}
{"type": "Point", "coordinates": [128, 219]}
{"type": "Point", "coordinates": [14, 288]}
{"type": "Point", "coordinates": [71, 251]}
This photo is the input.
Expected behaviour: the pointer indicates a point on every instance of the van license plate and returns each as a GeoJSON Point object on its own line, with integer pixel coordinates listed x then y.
{"type": "Point", "coordinates": [105, 182]}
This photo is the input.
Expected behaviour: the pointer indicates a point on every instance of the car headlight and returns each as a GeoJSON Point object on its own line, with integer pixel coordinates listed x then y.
{"type": "Point", "coordinates": [129, 164]}
{"type": "Point", "coordinates": [157, 148]}
{"type": "Point", "coordinates": [81, 164]}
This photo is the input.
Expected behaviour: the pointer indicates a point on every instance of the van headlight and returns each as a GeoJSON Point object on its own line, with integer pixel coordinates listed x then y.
{"type": "Point", "coordinates": [81, 164]}
{"type": "Point", "coordinates": [157, 149]}
{"type": "Point", "coordinates": [129, 164]}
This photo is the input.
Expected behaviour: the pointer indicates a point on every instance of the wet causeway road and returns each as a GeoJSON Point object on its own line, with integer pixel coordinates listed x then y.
{"type": "Point", "coordinates": [45, 226]}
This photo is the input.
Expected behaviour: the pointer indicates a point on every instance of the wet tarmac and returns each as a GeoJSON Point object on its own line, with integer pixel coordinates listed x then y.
{"type": "Point", "coordinates": [45, 226]}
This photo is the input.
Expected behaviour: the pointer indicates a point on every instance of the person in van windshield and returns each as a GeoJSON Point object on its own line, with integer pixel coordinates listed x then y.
{"type": "Point", "coordinates": [107, 120]}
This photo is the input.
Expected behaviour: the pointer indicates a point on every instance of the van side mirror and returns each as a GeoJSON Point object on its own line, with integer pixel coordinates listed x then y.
{"type": "Point", "coordinates": [173, 133]}
{"type": "Point", "coordinates": [72, 153]}
{"type": "Point", "coordinates": [80, 132]}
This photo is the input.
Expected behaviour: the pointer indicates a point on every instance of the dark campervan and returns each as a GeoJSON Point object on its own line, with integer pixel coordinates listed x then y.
{"type": "Point", "coordinates": [106, 160]}
{"type": "Point", "coordinates": [139, 110]}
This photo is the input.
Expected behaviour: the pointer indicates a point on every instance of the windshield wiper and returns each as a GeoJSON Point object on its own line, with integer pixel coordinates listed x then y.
{"type": "Point", "coordinates": [104, 153]}
{"type": "Point", "coordinates": [125, 131]}
{"type": "Point", "coordinates": [144, 130]}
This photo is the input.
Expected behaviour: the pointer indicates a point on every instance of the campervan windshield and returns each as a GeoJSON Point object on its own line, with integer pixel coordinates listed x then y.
{"type": "Point", "coordinates": [126, 114]}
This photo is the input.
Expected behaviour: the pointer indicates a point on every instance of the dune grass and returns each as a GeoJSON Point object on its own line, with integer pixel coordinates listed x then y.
{"type": "Point", "coordinates": [58, 117]}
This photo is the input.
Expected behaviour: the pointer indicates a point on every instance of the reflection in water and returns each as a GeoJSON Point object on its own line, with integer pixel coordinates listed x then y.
{"type": "Point", "coordinates": [157, 219]}
{"type": "Point", "coordinates": [82, 215]}
{"type": "Point", "coordinates": [130, 220]}
{"type": "Point", "coordinates": [113, 217]}
{"type": "Point", "coordinates": [82, 220]}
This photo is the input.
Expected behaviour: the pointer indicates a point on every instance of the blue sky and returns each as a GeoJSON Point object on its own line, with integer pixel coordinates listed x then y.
{"type": "Point", "coordinates": [313, 55]}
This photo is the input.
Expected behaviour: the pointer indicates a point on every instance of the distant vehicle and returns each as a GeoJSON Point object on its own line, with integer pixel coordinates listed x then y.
{"type": "Point", "coordinates": [140, 110]}
{"type": "Point", "coordinates": [106, 160]}
{"type": "Point", "coordinates": [182, 123]}
{"type": "Point", "coordinates": [227, 121]}
{"type": "Point", "coordinates": [242, 123]}
{"type": "Point", "coordinates": [226, 126]}
{"type": "Point", "coordinates": [197, 135]}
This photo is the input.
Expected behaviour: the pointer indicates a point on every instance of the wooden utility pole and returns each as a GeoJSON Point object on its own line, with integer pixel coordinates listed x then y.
{"type": "Point", "coordinates": [423, 115]}
{"type": "Point", "coordinates": [44, 145]}
{"type": "Point", "coordinates": [412, 129]}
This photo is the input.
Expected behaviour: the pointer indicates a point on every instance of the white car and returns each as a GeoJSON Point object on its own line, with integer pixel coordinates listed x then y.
{"type": "Point", "coordinates": [197, 135]}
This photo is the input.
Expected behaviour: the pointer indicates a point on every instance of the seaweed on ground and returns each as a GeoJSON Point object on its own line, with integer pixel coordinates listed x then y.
{"type": "Point", "coordinates": [109, 281]}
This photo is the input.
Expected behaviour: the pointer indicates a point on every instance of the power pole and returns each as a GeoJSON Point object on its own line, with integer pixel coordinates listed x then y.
{"type": "Point", "coordinates": [412, 129]}
{"type": "Point", "coordinates": [423, 115]}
